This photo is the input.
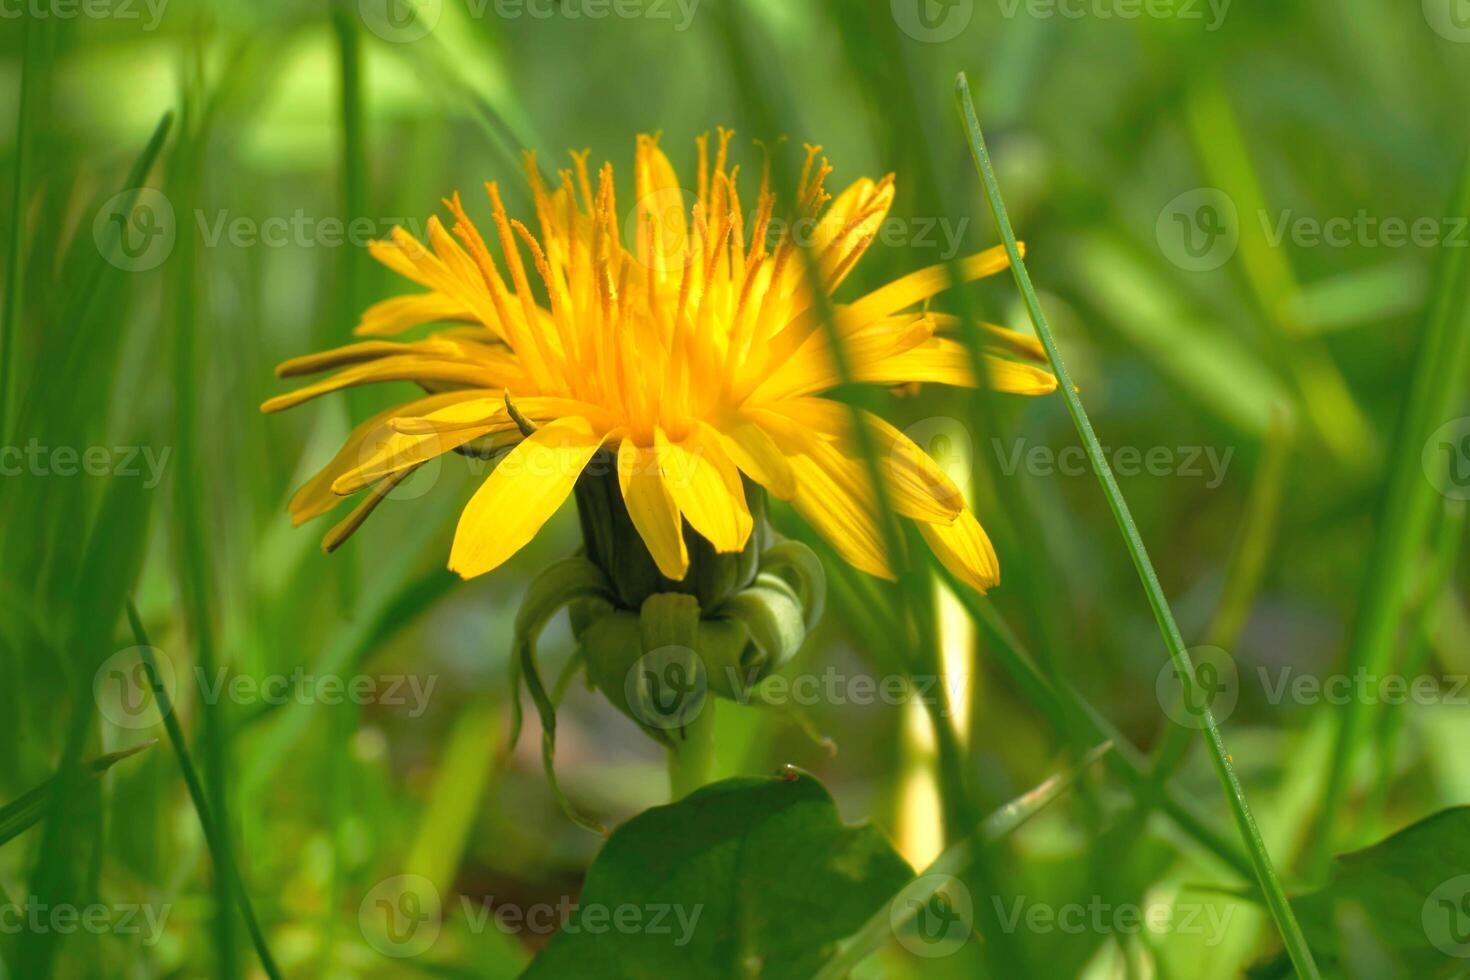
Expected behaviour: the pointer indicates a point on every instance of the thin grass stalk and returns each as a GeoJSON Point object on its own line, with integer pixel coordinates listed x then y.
{"type": "Point", "coordinates": [215, 836]}
{"type": "Point", "coordinates": [191, 538]}
{"type": "Point", "coordinates": [1408, 511]}
{"type": "Point", "coordinates": [1270, 884]}
{"type": "Point", "coordinates": [10, 311]}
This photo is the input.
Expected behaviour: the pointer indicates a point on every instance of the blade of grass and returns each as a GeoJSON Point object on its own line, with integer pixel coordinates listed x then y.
{"type": "Point", "coordinates": [191, 541]}
{"type": "Point", "coordinates": [1286, 923]}
{"type": "Point", "coordinates": [214, 835]}
{"type": "Point", "coordinates": [849, 953]}
{"type": "Point", "coordinates": [10, 310]}
{"type": "Point", "coordinates": [31, 807]}
{"type": "Point", "coordinates": [349, 296]}
{"type": "Point", "coordinates": [1408, 511]}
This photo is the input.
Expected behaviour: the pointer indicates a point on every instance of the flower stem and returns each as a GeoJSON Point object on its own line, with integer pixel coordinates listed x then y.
{"type": "Point", "coordinates": [1270, 884]}
{"type": "Point", "coordinates": [692, 754]}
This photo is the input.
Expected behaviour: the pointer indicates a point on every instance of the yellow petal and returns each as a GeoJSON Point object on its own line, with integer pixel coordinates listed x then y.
{"type": "Point", "coordinates": [835, 498]}
{"type": "Point", "coordinates": [652, 508]}
{"type": "Point", "coordinates": [707, 488]}
{"type": "Point", "coordinates": [917, 486]}
{"type": "Point", "coordinates": [521, 495]}
{"type": "Point", "coordinates": [409, 367]}
{"type": "Point", "coordinates": [964, 549]}
{"type": "Point", "coordinates": [361, 352]}
{"type": "Point", "coordinates": [918, 286]}
{"type": "Point", "coordinates": [315, 497]}
{"type": "Point", "coordinates": [948, 362]}
{"type": "Point", "coordinates": [446, 429]}
{"type": "Point", "coordinates": [393, 316]}
{"type": "Point", "coordinates": [1020, 344]}
{"type": "Point", "coordinates": [753, 450]}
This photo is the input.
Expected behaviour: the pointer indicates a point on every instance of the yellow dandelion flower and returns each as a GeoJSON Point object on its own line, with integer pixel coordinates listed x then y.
{"type": "Point", "coordinates": [682, 343]}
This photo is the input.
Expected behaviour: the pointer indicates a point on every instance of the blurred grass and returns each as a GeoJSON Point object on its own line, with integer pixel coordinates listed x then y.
{"type": "Point", "coordinates": [1097, 125]}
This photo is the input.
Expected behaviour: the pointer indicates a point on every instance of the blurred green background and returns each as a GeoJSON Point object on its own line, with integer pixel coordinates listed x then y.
{"type": "Point", "coordinates": [1234, 213]}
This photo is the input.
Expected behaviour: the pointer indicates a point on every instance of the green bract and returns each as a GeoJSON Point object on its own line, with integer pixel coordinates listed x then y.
{"type": "Point", "coordinates": [659, 649]}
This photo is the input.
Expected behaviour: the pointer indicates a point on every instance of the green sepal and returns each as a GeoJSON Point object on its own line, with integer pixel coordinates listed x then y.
{"type": "Point", "coordinates": [771, 611]}
{"type": "Point", "coordinates": [799, 567]}
{"type": "Point", "coordinates": [571, 580]}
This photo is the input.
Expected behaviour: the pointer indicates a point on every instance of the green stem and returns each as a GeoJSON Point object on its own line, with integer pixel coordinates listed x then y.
{"type": "Point", "coordinates": [10, 302]}
{"type": "Point", "coordinates": [1270, 884]}
{"type": "Point", "coordinates": [692, 754]}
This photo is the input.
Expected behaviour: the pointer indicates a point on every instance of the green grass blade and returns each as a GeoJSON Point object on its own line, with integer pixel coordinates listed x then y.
{"type": "Point", "coordinates": [1408, 510]}
{"type": "Point", "coordinates": [215, 836]}
{"type": "Point", "coordinates": [10, 310]}
{"type": "Point", "coordinates": [1291, 933]}
{"type": "Point", "coordinates": [31, 807]}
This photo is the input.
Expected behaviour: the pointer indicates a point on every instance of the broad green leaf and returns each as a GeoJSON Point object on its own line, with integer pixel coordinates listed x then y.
{"type": "Point", "coordinates": [746, 876]}
{"type": "Point", "coordinates": [1407, 898]}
